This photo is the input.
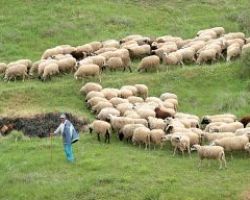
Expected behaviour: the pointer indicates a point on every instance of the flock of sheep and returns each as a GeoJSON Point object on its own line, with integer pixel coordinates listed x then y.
{"type": "Point", "coordinates": [136, 117]}
{"type": "Point", "coordinates": [93, 58]}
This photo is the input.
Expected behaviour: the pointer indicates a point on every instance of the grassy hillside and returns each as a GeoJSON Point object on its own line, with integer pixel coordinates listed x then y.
{"type": "Point", "coordinates": [118, 171]}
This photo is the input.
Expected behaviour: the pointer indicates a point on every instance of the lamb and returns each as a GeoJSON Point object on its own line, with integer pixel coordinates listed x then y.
{"type": "Point", "coordinates": [211, 152]}
{"type": "Point", "coordinates": [105, 113]}
{"type": "Point", "coordinates": [92, 94]}
{"type": "Point", "coordinates": [142, 90]}
{"type": "Point", "coordinates": [245, 120]}
{"type": "Point", "coordinates": [88, 70]}
{"type": "Point", "coordinates": [149, 63]}
{"type": "Point", "coordinates": [101, 128]}
{"type": "Point", "coordinates": [141, 135]}
{"type": "Point", "coordinates": [127, 131]}
{"type": "Point", "coordinates": [156, 137]}
{"type": "Point", "coordinates": [17, 70]}
{"type": "Point", "coordinates": [3, 67]}
{"type": "Point", "coordinates": [90, 86]}
{"type": "Point", "coordinates": [231, 127]}
{"type": "Point", "coordinates": [232, 143]}
{"type": "Point", "coordinates": [50, 70]}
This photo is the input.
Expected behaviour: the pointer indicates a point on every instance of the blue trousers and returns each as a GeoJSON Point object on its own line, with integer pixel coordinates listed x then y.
{"type": "Point", "coordinates": [69, 152]}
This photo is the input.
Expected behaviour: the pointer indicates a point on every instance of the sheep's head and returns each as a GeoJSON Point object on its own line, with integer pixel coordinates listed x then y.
{"type": "Point", "coordinates": [169, 129]}
{"type": "Point", "coordinates": [195, 147]}
{"type": "Point", "coordinates": [166, 138]}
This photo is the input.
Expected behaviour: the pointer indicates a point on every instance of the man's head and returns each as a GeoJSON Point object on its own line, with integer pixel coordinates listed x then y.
{"type": "Point", "coordinates": [62, 118]}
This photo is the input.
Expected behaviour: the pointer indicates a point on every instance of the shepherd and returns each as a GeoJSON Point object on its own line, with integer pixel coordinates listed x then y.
{"type": "Point", "coordinates": [69, 135]}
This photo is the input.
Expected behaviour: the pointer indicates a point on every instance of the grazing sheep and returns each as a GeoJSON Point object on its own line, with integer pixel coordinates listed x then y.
{"type": "Point", "coordinates": [26, 62]}
{"type": "Point", "coordinates": [233, 51]}
{"type": "Point", "coordinates": [92, 94]}
{"type": "Point", "coordinates": [245, 120]}
{"type": "Point", "coordinates": [145, 113]}
{"type": "Point", "coordinates": [232, 143]}
{"type": "Point", "coordinates": [114, 63]}
{"type": "Point", "coordinates": [103, 104]}
{"type": "Point", "coordinates": [142, 90]}
{"type": "Point", "coordinates": [134, 99]}
{"type": "Point", "coordinates": [88, 70]}
{"type": "Point", "coordinates": [3, 67]}
{"type": "Point", "coordinates": [141, 135]}
{"type": "Point", "coordinates": [117, 100]}
{"type": "Point", "coordinates": [242, 131]}
{"type": "Point", "coordinates": [67, 64]}
{"type": "Point", "coordinates": [188, 54]}
{"type": "Point", "coordinates": [124, 107]}
{"type": "Point", "coordinates": [127, 131]}
{"type": "Point", "coordinates": [220, 31]}
{"type": "Point", "coordinates": [105, 113]}
{"type": "Point", "coordinates": [234, 35]}
{"type": "Point", "coordinates": [110, 93]}
{"type": "Point", "coordinates": [111, 43]}
{"type": "Point", "coordinates": [17, 70]}
{"type": "Point", "coordinates": [95, 100]}
{"type": "Point", "coordinates": [50, 70]}
{"type": "Point", "coordinates": [155, 123]}
{"type": "Point", "coordinates": [174, 58]}
{"type": "Point", "coordinates": [167, 95]}
{"type": "Point", "coordinates": [125, 93]}
{"type": "Point", "coordinates": [139, 51]}
{"type": "Point", "coordinates": [130, 87]}
{"type": "Point", "coordinates": [86, 48]}
{"type": "Point", "coordinates": [90, 86]}
{"type": "Point", "coordinates": [156, 137]}
{"type": "Point", "coordinates": [34, 68]}
{"type": "Point", "coordinates": [210, 137]}
{"type": "Point", "coordinates": [206, 55]}
{"type": "Point", "coordinates": [211, 152]}
{"type": "Point", "coordinates": [230, 127]}
{"type": "Point", "coordinates": [95, 45]}
{"type": "Point", "coordinates": [101, 128]}
{"type": "Point", "coordinates": [149, 63]}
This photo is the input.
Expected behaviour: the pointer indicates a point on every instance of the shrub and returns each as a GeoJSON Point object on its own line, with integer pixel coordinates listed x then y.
{"type": "Point", "coordinates": [17, 136]}
{"type": "Point", "coordinates": [245, 64]}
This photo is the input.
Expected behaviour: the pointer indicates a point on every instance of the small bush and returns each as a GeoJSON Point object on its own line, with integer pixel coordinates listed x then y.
{"type": "Point", "coordinates": [245, 64]}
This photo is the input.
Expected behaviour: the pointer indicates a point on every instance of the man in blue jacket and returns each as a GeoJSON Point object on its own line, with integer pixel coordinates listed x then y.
{"type": "Point", "coordinates": [66, 129]}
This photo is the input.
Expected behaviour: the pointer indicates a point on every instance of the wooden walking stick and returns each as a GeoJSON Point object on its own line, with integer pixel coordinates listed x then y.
{"type": "Point", "coordinates": [50, 135]}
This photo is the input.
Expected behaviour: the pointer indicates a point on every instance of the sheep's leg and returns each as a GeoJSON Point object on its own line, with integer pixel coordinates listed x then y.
{"type": "Point", "coordinates": [189, 152]}
{"type": "Point", "coordinates": [130, 70]}
{"type": "Point", "coordinates": [220, 164]}
{"type": "Point", "coordinates": [146, 146]}
{"type": "Point", "coordinates": [199, 165]}
{"type": "Point", "coordinates": [98, 137]}
{"type": "Point", "coordinates": [175, 150]}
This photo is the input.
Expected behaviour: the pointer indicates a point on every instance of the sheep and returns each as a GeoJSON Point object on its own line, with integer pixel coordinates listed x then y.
{"type": "Point", "coordinates": [173, 101]}
{"type": "Point", "coordinates": [233, 51]}
{"type": "Point", "coordinates": [111, 43]}
{"type": "Point", "coordinates": [211, 152]}
{"type": "Point", "coordinates": [105, 113]}
{"type": "Point", "coordinates": [86, 48]}
{"type": "Point", "coordinates": [124, 107]}
{"type": "Point", "coordinates": [149, 63]}
{"type": "Point", "coordinates": [95, 100]}
{"type": "Point", "coordinates": [127, 131]}
{"type": "Point", "coordinates": [247, 147]}
{"type": "Point", "coordinates": [231, 127]}
{"type": "Point", "coordinates": [131, 114]}
{"type": "Point", "coordinates": [88, 70]}
{"type": "Point", "coordinates": [51, 52]}
{"type": "Point", "coordinates": [3, 67]}
{"type": "Point", "coordinates": [34, 68]}
{"type": "Point", "coordinates": [210, 127]}
{"type": "Point", "coordinates": [50, 70]}
{"type": "Point", "coordinates": [186, 115]}
{"type": "Point", "coordinates": [245, 48]}
{"type": "Point", "coordinates": [95, 45]}
{"type": "Point", "coordinates": [130, 87]}
{"type": "Point", "coordinates": [227, 118]}
{"type": "Point", "coordinates": [141, 135]}
{"type": "Point", "coordinates": [245, 120]}
{"type": "Point", "coordinates": [234, 35]}
{"type": "Point", "coordinates": [101, 128]}
{"type": "Point", "coordinates": [90, 86]}
{"type": "Point", "coordinates": [156, 100]}
{"type": "Point", "coordinates": [117, 100]}
{"type": "Point", "coordinates": [167, 95]}
{"type": "Point", "coordinates": [206, 55]}
{"type": "Point", "coordinates": [114, 63]}
{"type": "Point", "coordinates": [67, 64]}
{"type": "Point", "coordinates": [248, 125]}
{"type": "Point", "coordinates": [103, 104]}
{"type": "Point", "coordinates": [174, 58]}
{"type": "Point", "coordinates": [220, 31]}
{"type": "Point", "coordinates": [155, 137]}
{"type": "Point", "coordinates": [103, 50]}
{"type": "Point", "coordinates": [142, 90]}
{"type": "Point", "coordinates": [26, 62]}
{"type": "Point", "coordinates": [242, 131]}
{"type": "Point", "coordinates": [43, 64]}
{"type": "Point", "coordinates": [92, 94]}
{"type": "Point", "coordinates": [17, 70]}
{"type": "Point", "coordinates": [247, 40]}
{"type": "Point", "coordinates": [110, 93]}
{"type": "Point", "coordinates": [139, 51]}
{"type": "Point", "coordinates": [210, 137]}
{"type": "Point", "coordinates": [145, 113]}
{"type": "Point", "coordinates": [188, 54]}
{"type": "Point", "coordinates": [125, 93]}
{"type": "Point", "coordinates": [232, 143]}
{"type": "Point", "coordinates": [118, 122]}
{"type": "Point", "coordinates": [134, 99]}
{"type": "Point", "coordinates": [162, 113]}
{"type": "Point", "coordinates": [174, 122]}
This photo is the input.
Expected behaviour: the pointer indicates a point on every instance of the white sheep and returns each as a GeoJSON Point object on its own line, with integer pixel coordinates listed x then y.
{"type": "Point", "coordinates": [110, 93]}
{"type": "Point", "coordinates": [139, 51]}
{"type": "Point", "coordinates": [105, 113]}
{"type": "Point", "coordinates": [90, 86]}
{"type": "Point", "coordinates": [50, 70]}
{"type": "Point", "coordinates": [134, 99]}
{"type": "Point", "coordinates": [101, 128]}
{"type": "Point", "coordinates": [17, 70]}
{"type": "Point", "coordinates": [88, 70]}
{"type": "Point", "coordinates": [142, 90]}
{"type": "Point", "coordinates": [141, 135]}
{"type": "Point", "coordinates": [149, 63]}
{"type": "Point", "coordinates": [230, 127]}
{"type": "Point", "coordinates": [211, 152]}
{"type": "Point", "coordinates": [92, 94]}
{"type": "Point", "coordinates": [117, 100]}
{"type": "Point", "coordinates": [103, 104]}
{"type": "Point", "coordinates": [156, 137]}
{"type": "Point", "coordinates": [127, 131]}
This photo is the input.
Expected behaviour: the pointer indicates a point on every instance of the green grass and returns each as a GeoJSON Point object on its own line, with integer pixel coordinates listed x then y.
{"type": "Point", "coordinates": [118, 171]}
